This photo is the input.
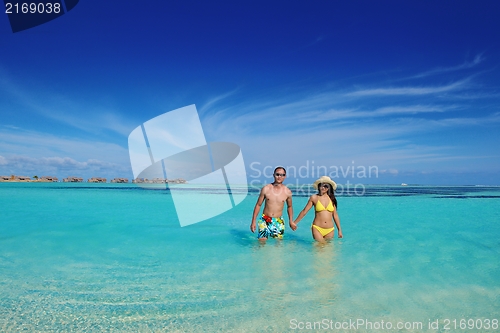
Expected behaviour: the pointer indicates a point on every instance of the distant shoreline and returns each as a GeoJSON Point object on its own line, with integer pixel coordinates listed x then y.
{"type": "Point", "coordinates": [73, 179]}
{"type": "Point", "coordinates": [27, 181]}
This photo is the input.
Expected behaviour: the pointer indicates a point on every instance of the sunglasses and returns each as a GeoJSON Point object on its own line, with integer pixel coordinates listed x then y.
{"type": "Point", "coordinates": [325, 186]}
{"type": "Point", "coordinates": [280, 174]}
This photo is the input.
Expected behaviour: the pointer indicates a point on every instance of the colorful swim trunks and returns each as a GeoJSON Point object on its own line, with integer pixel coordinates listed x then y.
{"type": "Point", "coordinates": [271, 227]}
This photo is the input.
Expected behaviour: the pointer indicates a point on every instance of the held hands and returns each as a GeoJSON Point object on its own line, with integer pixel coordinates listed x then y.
{"type": "Point", "coordinates": [293, 225]}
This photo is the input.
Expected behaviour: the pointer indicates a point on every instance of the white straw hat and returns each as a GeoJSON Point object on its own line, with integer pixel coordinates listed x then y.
{"type": "Point", "coordinates": [325, 180]}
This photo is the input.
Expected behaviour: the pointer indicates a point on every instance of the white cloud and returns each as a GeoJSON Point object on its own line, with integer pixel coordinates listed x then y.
{"type": "Point", "coordinates": [211, 102]}
{"type": "Point", "coordinates": [394, 91]}
{"type": "Point", "coordinates": [38, 144]}
{"type": "Point", "coordinates": [58, 107]}
{"type": "Point", "coordinates": [410, 109]}
{"type": "Point", "coordinates": [60, 166]}
{"type": "Point", "coordinates": [389, 171]}
{"type": "Point", "coordinates": [29, 151]}
{"type": "Point", "coordinates": [61, 162]}
{"type": "Point", "coordinates": [337, 128]}
{"type": "Point", "coordinates": [467, 121]}
{"type": "Point", "coordinates": [440, 70]}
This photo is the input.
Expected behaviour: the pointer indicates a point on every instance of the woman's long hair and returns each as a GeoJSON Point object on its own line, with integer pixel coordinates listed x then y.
{"type": "Point", "coordinates": [331, 194]}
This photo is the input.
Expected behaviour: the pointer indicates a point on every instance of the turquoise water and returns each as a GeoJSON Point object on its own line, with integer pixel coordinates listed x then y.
{"type": "Point", "coordinates": [113, 258]}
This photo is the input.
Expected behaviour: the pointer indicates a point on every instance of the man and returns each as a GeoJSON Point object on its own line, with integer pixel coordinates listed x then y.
{"type": "Point", "coordinates": [271, 223]}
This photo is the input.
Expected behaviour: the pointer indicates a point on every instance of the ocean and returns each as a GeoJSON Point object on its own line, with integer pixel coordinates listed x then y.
{"type": "Point", "coordinates": [86, 257]}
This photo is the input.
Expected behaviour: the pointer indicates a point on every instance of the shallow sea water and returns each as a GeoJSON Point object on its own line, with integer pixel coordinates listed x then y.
{"type": "Point", "coordinates": [113, 258]}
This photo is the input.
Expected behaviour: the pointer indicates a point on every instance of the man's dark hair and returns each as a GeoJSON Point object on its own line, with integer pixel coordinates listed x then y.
{"type": "Point", "coordinates": [277, 168]}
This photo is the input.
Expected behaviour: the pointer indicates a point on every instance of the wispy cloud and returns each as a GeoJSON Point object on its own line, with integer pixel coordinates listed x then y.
{"type": "Point", "coordinates": [316, 41]}
{"type": "Point", "coordinates": [38, 145]}
{"type": "Point", "coordinates": [409, 91]}
{"type": "Point", "coordinates": [352, 114]}
{"type": "Point", "coordinates": [212, 101]}
{"type": "Point", "coordinates": [327, 106]}
{"type": "Point", "coordinates": [11, 127]}
{"type": "Point", "coordinates": [468, 121]}
{"type": "Point", "coordinates": [321, 108]}
{"type": "Point", "coordinates": [61, 163]}
{"type": "Point", "coordinates": [411, 109]}
{"type": "Point", "coordinates": [440, 70]}
{"type": "Point", "coordinates": [59, 166]}
{"type": "Point", "coordinates": [339, 126]}
{"type": "Point", "coordinates": [55, 106]}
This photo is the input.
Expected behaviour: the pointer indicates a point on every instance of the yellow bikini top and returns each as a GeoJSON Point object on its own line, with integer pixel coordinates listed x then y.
{"type": "Point", "coordinates": [320, 207]}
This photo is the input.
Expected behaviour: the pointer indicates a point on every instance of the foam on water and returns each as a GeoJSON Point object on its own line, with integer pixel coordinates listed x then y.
{"type": "Point", "coordinates": [93, 258]}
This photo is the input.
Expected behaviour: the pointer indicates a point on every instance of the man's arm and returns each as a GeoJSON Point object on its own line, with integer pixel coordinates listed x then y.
{"type": "Point", "coordinates": [290, 212]}
{"type": "Point", "coordinates": [256, 209]}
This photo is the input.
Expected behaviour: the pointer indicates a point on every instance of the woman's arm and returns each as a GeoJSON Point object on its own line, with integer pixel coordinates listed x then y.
{"type": "Point", "coordinates": [336, 219]}
{"type": "Point", "coordinates": [302, 213]}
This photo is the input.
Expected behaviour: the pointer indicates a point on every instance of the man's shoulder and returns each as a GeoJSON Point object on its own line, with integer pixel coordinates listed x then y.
{"type": "Point", "coordinates": [266, 187]}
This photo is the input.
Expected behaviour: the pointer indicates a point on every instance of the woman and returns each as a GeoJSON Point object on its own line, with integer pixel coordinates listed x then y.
{"type": "Point", "coordinates": [325, 205]}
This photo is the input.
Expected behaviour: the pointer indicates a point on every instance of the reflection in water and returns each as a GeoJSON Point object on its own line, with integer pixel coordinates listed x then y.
{"type": "Point", "coordinates": [293, 279]}
{"type": "Point", "coordinates": [278, 283]}
{"type": "Point", "coordinates": [269, 269]}
{"type": "Point", "coordinates": [324, 269]}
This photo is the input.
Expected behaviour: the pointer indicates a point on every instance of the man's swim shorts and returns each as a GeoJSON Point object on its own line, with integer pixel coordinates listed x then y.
{"type": "Point", "coordinates": [271, 227]}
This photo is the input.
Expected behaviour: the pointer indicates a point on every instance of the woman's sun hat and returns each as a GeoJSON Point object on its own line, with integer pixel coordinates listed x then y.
{"type": "Point", "coordinates": [325, 180]}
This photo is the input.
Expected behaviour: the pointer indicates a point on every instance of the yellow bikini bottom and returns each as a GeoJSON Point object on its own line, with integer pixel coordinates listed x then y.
{"type": "Point", "coordinates": [323, 231]}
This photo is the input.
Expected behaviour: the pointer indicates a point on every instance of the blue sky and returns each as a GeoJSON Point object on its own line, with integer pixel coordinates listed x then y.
{"type": "Point", "coordinates": [411, 88]}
